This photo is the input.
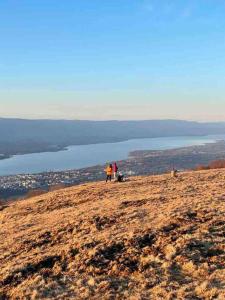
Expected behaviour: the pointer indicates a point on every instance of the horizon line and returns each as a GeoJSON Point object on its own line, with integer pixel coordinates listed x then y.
{"type": "Point", "coordinates": [106, 120]}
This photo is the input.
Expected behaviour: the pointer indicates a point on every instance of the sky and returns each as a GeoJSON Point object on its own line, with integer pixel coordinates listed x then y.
{"type": "Point", "coordinates": [114, 59]}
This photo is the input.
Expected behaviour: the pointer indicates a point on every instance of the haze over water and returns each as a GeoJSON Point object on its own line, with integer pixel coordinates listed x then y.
{"type": "Point", "coordinates": [77, 157]}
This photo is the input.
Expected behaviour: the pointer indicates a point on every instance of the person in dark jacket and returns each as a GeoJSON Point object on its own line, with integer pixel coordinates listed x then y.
{"type": "Point", "coordinates": [120, 177]}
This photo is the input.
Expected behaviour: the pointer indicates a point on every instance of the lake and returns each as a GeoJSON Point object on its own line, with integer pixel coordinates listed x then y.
{"type": "Point", "coordinates": [76, 157]}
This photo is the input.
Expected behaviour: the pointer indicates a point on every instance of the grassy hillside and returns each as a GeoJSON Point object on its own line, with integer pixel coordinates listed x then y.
{"type": "Point", "coordinates": [148, 238]}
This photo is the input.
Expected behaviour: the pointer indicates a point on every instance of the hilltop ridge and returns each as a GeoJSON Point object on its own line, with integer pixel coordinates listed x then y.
{"type": "Point", "coordinates": [152, 237]}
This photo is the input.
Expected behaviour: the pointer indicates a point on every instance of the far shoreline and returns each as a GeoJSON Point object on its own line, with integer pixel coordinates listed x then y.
{"type": "Point", "coordinates": [132, 155]}
{"type": "Point", "coordinates": [59, 148]}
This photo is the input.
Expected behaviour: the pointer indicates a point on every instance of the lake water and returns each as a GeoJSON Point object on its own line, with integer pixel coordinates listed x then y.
{"type": "Point", "coordinates": [82, 156]}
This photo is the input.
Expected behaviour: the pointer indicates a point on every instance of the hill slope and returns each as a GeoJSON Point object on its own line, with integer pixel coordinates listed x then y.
{"type": "Point", "coordinates": [148, 238]}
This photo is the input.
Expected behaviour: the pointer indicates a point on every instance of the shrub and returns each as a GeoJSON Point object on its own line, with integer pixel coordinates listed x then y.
{"type": "Point", "coordinates": [56, 187]}
{"type": "Point", "coordinates": [216, 164]}
{"type": "Point", "coordinates": [201, 167]}
{"type": "Point", "coordinates": [33, 193]}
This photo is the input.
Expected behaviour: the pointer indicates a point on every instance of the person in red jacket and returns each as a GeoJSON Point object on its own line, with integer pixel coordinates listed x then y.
{"type": "Point", "coordinates": [115, 170]}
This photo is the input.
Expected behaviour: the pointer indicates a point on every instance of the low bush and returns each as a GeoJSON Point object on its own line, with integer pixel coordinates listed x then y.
{"type": "Point", "coordinates": [57, 187]}
{"type": "Point", "coordinates": [216, 164]}
{"type": "Point", "coordinates": [201, 167]}
{"type": "Point", "coordinates": [33, 193]}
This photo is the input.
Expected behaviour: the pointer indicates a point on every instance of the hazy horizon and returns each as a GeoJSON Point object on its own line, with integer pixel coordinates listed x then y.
{"type": "Point", "coordinates": [135, 112]}
{"type": "Point", "coordinates": [123, 60]}
{"type": "Point", "coordinates": [106, 120]}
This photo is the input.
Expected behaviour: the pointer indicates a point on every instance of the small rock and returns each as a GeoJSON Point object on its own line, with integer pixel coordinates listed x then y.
{"type": "Point", "coordinates": [91, 281]}
{"type": "Point", "coordinates": [170, 252]}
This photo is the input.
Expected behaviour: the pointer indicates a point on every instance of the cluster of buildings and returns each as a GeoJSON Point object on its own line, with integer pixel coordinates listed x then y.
{"type": "Point", "coordinates": [16, 185]}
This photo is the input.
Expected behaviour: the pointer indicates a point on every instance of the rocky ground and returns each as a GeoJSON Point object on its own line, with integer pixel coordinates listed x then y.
{"type": "Point", "coordinates": [151, 237]}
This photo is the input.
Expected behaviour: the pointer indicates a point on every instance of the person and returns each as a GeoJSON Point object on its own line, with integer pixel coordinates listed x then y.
{"type": "Point", "coordinates": [174, 173]}
{"type": "Point", "coordinates": [115, 170]}
{"type": "Point", "coordinates": [120, 177]}
{"type": "Point", "coordinates": [109, 171]}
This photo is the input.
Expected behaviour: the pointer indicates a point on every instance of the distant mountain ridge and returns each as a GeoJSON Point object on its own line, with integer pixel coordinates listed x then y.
{"type": "Point", "coordinates": [26, 136]}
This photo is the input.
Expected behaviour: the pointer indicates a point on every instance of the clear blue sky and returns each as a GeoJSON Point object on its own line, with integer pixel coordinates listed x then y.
{"type": "Point", "coordinates": [114, 59]}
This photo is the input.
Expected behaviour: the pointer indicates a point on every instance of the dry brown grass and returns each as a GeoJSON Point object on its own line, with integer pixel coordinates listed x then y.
{"type": "Point", "coordinates": [149, 238]}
